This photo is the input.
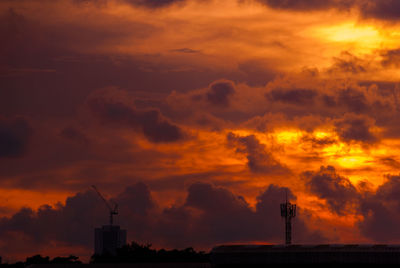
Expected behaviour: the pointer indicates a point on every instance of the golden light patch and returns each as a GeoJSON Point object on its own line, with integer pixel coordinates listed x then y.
{"type": "Point", "coordinates": [288, 136]}
{"type": "Point", "coordinates": [353, 161]}
{"type": "Point", "coordinates": [322, 134]}
{"type": "Point", "coordinates": [349, 32]}
{"type": "Point", "coordinates": [360, 39]}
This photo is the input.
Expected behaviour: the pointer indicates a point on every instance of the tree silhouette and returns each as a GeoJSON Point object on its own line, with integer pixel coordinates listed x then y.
{"type": "Point", "coordinates": [64, 260]}
{"type": "Point", "coordinates": [37, 259]}
{"type": "Point", "coordinates": [136, 253]}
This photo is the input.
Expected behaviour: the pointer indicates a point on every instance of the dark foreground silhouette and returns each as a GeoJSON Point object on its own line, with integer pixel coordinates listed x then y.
{"type": "Point", "coordinates": [39, 259]}
{"type": "Point", "coordinates": [132, 253]}
{"type": "Point", "coordinates": [137, 253]}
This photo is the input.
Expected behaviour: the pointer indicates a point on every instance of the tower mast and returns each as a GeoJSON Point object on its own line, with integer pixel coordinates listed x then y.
{"type": "Point", "coordinates": [288, 211]}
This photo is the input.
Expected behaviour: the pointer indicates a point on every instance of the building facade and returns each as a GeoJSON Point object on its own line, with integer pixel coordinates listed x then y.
{"type": "Point", "coordinates": [108, 239]}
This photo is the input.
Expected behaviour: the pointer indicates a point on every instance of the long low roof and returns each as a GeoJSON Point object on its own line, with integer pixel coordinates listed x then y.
{"type": "Point", "coordinates": [306, 247]}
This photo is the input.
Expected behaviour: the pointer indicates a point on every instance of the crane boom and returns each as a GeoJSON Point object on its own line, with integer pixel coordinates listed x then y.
{"type": "Point", "coordinates": [113, 211]}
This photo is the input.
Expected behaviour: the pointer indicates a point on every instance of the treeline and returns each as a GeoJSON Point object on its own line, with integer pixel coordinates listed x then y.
{"type": "Point", "coordinates": [131, 253]}
{"type": "Point", "coordinates": [39, 259]}
{"type": "Point", "coordinates": [135, 253]}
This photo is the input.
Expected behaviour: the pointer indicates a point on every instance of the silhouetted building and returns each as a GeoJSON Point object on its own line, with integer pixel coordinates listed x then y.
{"type": "Point", "coordinates": [272, 255]}
{"type": "Point", "coordinates": [108, 239]}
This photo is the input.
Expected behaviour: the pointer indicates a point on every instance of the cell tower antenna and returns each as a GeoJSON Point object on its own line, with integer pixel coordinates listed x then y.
{"type": "Point", "coordinates": [286, 194]}
{"type": "Point", "coordinates": [113, 210]}
{"type": "Point", "coordinates": [288, 211]}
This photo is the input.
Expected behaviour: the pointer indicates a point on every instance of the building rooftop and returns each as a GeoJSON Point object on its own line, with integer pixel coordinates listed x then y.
{"type": "Point", "coordinates": [307, 247]}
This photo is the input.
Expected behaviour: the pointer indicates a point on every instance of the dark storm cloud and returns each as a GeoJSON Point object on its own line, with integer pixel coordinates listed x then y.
{"type": "Point", "coordinates": [301, 5]}
{"type": "Point", "coordinates": [180, 182]}
{"type": "Point", "coordinates": [220, 92]}
{"type": "Point", "coordinates": [67, 223]}
{"type": "Point", "coordinates": [143, 3]}
{"type": "Point", "coordinates": [259, 160]}
{"type": "Point", "coordinates": [219, 199]}
{"type": "Point", "coordinates": [266, 201]}
{"type": "Point", "coordinates": [328, 100]}
{"type": "Point", "coordinates": [339, 193]}
{"type": "Point", "coordinates": [224, 217]}
{"type": "Point", "coordinates": [186, 50]}
{"type": "Point", "coordinates": [154, 3]}
{"type": "Point", "coordinates": [354, 100]}
{"type": "Point", "coordinates": [316, 96]}
{"type": "Point", "coordinates": [74, 134]}
{"type": "Point", "coordinates": [138, 194]}
{"type": "Point", "coordinates": [381, 212]}
{"type": "Point", "coordinates": [151, 122]}
{"type": "Point", "coordinates": [308, 5]}
{"type": "Point", "coordinates": [355, 128]}
{"type": "Point", "coordinates": [73, 222]}
{"type": "Point", "coordinates": [354, 109]}
{"type": "Point", "coordinates": [391, 58]}
{"type": "Point", "coordinates": [317, 142]}
{"type": "Point", "coordinates": [39, 58]}
{"type": "Point", "coordinates": [292, 96]}
{"type": "Point", "coordinates": [15, 134]}
{"type": "Point", "coordinates": [348, 63]}
{"type": "Point", "coordinates": [383, 9]}
{"type": "Point", "coordinates": [389, 161]}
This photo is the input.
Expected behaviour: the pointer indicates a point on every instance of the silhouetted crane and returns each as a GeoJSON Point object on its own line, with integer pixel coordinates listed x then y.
{"type": "Point", "coordinates": [113, 211]}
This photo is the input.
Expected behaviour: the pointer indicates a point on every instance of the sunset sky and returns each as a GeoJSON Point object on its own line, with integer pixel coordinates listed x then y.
{"type": "Point", "coordinates": [195, 116]}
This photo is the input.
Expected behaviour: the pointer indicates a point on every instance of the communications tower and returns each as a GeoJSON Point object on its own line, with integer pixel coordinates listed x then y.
{"type": "Point", "coordinates": [288, 211]}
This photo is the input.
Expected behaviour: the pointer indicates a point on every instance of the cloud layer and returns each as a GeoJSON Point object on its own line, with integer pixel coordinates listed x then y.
{"type": "Point", "coordinates": [215, 107]}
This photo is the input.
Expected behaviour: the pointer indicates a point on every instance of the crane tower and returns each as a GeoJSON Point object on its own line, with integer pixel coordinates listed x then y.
{"type": "Point", "coordinates": [108, 238]}
{"type": "Point", "coordinates": [113, 211]}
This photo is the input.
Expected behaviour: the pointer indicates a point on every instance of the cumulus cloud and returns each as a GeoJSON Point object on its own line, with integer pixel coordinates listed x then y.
{"type": "Point", "coordinates": [262, 224]}
{"type": "Point", "coordinates": [383, 10]}
{"type": "Point", "coordinates": [355, 128]}
{"type": "Point", "coordinates": [377, 209]}
{"type": "Point", "coordinates": [210, 215]}
{"type": "Point", "coordinates": [72, 224]}
{"type": "Point", "coordinates": [143, 3]}
{"type": "Point", "coordinates": [15, 134]}
{"type": "Point", "coordinates": [220, 92]}
{"type": "Point", "coordinates": [293, 96]}
{"type": "Point", "coordinates": [391, 57]}
{"type": "Point", "coordinates": [354, 100]}
{"type": "Point", "coordinates": [340, 194]}
{"type": "Point", "coordinates": [154, 3]}
{"type": "Point", "coordinates": [227, 217]}
{"type": "Point", "coordinates": [259, 160]}
{"type": "Point", "coordinates": [138, 194]}
{"type": "Point", "coordinates": [380, 210]}
{"type": "Point", "coordinates": [348, 63]}
{"type": "Point", "coordinates": [306, 5]}
{"type": "Point", "coordinates": [150, 122]}
{"type": "Point", "coordinates": [297, 97]}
